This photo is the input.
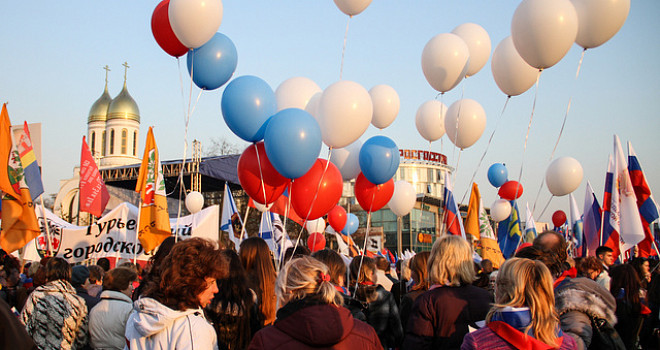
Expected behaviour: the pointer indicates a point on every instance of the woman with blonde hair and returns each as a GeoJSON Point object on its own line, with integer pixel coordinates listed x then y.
{"type": "Point", "coordinates": [524, 315]}
{"type": "Point", "coordinates": [258, 264]}
{"type": "Point", "coordinates": [311, 315]}
{"type": "Point", "coordinates": [440, 317]}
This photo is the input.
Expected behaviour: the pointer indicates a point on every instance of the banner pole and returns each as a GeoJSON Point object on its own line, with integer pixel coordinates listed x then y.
{"type": "Point", "coordinates": [137, 233]}
{"type": "Point", "coordinates": [46, 225]}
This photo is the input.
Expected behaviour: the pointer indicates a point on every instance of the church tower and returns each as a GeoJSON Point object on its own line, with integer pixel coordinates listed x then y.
{"type": "Point", "coordinates": [96, 121]}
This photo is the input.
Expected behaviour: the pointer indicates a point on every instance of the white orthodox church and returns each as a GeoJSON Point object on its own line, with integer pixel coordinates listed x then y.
{"type": "Point", "coordinates": [113, 134]}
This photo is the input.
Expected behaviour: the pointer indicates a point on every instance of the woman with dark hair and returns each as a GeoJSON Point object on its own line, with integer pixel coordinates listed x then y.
{"type": "Point", "coordinates": [54, 316]}
{"type": "Point", "coordinates": [420, 276]}
{"type": "Point", "coordinates": [107, 320]}
{"type": "Point", "coordinates": [233, 311]}
{"type": "Point", "coordinates": [643, 269]}
{"type": "Point", "coordinates": [169, 315]}
{"type": "Point", "coordinates": [337, 271]}
{"type": "Point", "coordinates": [311, 316]}
{"type": "Point", "coordinates": [255, 258]}
{"type": "Point", "coordinates": [630, 311]}
{"type": "Point", "coordinates": [379, 305]}
{"type": "Point", "coordinates": [152, 270]}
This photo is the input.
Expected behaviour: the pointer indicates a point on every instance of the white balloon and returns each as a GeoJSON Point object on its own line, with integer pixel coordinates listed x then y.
{"type": "Point", "coordinates": [511, 73]}
{"type": "Point", "coordinates": [465, 129]}
{"type": "Point", "coordinates": [317, 225]}
{"type": "Point", "coordinates": [544, 30]}
{"type": "Point", "coordinates": [478, 42]}
{"type": "Point", "coordinates": [194, 202]}
{"type": "Point", "coordinates": [445, 61]}
{"type": "Point", "coordinates": [430, 120]}
{"type": "Point", "coordinates": [563, 176]}
{"type": "Point", "coordinates": [194, 22]}
{"type": "Point", "coordinates": [404, 198]}
{"type": "Point", "coordinates": [599, 20]}
{"type": "Point", "coordinates": [386, 105]}
{"type": "Point", "coordinates": [344, 113]}
{"type": "Point", "coordinates": [262, 208]}
{"type": "Point", "coordinates": [347, 160]}
{"type": "Point", "coordinates": [352, 7]}
{"type": "Point", "coordinates": [500, 210]}
{"type": "Point", "coordinates": [313, 105]}
{"type": "Point", "coordinates": [295, 92]}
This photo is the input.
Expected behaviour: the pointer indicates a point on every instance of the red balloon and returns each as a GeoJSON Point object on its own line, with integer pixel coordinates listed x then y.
{"type": "Point", "coordinates": [372, 197]}
{"type": "Point", "coordinates": [511, 190]}
{"type": "Point", "coordinates": [316, 241]}
{"type": "Point", "coordinates": [163, 33]}
{"type": "Point", "coordinates": [305, 199]}
{"type": "Point", "coordinates": [337, 218]}
{"type": "Point", "coordinates": [558, 218]}
{"type": "Point", "coordinates": [249, 175]}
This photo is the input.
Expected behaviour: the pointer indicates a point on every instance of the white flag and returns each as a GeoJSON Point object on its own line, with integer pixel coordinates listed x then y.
{"type": "Point", "coordinates": [231, 221]}
{"type": "Point", "coordinates": [530, 226]}
{"type": "Point", "coordinates": [624, 202]}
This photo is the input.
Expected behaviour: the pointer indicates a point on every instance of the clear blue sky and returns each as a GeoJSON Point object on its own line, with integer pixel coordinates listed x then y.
{"type": "Point", "coordinates": [53, 52]}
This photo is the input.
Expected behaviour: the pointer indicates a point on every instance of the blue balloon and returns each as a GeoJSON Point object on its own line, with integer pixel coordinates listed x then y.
{"type": "Point", "coordinates": [293, 142]}
{"type": "Point", "coordinates": [497, 174]}
{"type": "Point", "coordinates": [247, 103]}
{"type": "Point", "coordinates": [212, 64]}
{"type": "Point", "coordinates": [379, 159]}
{"type": "Point", "coordinates": [352, 224]}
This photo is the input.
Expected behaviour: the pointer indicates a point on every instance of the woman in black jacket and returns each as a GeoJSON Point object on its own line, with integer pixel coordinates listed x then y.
{"type": "Point", "coordinates": [379, 305]}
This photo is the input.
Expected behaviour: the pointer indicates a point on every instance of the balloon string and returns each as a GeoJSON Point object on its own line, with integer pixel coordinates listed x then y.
{"type": "Point", "coordinates": [490, 139]}
{"type": "Point", "coordinates": [316, 194]}
{"type": "Point", "coordinates": [460, 104]}
{"type": "Point", "coordinates": [546, 206]}
{"type": "Point", "coordinates": [442, 105]}
{"type": "Point", "coordinates": [343, 50]}
{"type": "Point", "coordinates": [364, 244]}
{"type": "Point", "coordinates": [286, 218]}
{"type": "Point", "coordinates": [529, 126]}
{"type": "Point", "coordinates": [261, 176]}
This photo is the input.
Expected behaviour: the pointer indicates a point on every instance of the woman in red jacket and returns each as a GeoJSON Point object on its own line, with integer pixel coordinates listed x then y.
{"type": "Point", "coordinates": [312, 316]}
{"type": "Point", "coordinates": [524, 315]}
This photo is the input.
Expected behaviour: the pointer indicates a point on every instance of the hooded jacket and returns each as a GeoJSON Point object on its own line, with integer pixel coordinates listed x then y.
{"type": "Point", "coordinates": [304, 324]}
{"type": "Point", "coordinates": [55, 317]}
{"type": "Point", "coordinates": [578, 299]}
{"type": "Point", "coordinates": [153, 325]}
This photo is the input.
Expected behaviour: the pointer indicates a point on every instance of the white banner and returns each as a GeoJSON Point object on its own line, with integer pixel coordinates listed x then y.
{"type": "Point", "coordinates": [113, 235]}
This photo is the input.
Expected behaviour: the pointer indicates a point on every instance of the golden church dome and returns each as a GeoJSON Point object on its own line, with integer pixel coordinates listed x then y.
{"type": "Point", "coordinates": [124, 107]}
{"type": "Point", "coordinates": [99, 110]}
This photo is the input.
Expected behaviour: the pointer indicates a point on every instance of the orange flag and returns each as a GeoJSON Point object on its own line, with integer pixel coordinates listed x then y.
{"type": "Point", "coordinates": [472, 220]}
{"type": "Point", "coordinates": [154, 221]}
{"type": "Point", "coordinates": [19, 222]}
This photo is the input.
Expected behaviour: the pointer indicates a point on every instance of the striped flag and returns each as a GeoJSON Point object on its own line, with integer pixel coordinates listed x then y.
{"type": "Point", "coordinates": [509, 232]}
{"type": "Point", "coordinates": [624, 202]}
{"type": "Point", "coordinates": [591, 221]}
{"type": "Point", "coordinates": [29, 162]}
{"type": "Point", "coordinates": [576, 226]}
{"type": "Point", "coordinates": [648, 208]}
{"type": "Point", "coordinates": [231, 221]}
{"type": "Point", "coordinates": [271, 231]}
{"type": "Point", "coordinates": [154, 219]}
{"type": "Point", "coordinates": [530, 226]}
{"type": "Point", "coordinates": [610, 229]}
{"type": "Point", "coordinates": [453, 220]}
{"type": "Point", "coordinates": [19, 222]}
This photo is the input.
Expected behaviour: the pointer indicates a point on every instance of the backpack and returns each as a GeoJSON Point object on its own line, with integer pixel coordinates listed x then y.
{"type": "Point", "coordinates": [604, 335]}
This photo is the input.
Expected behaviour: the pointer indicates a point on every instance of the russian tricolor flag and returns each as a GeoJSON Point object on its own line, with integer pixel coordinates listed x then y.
{"type": "Point", "coordinates": [30, 166]}
{"type": "Point", "coordinates": [591, 221]}
{"type": "Point", "coordinates": [610, 234]}
{"type": "Point", "coordinates": [648, 209]}
{"type": "Point", "coordinates": [453, 219]}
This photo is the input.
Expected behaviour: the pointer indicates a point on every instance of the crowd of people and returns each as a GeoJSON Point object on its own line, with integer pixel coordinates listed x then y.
{"type": "Point", "coordinates": [193, 294]}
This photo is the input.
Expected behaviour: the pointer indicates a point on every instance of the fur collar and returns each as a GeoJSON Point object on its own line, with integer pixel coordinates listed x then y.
{"type": "Point", "coordinates": [592, 304]}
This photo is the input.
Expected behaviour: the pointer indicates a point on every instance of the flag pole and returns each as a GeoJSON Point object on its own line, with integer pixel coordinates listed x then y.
{"type": "Point", "coordinates": [46, 225]}
{"type": "Point", "coordinates": [137, 232]}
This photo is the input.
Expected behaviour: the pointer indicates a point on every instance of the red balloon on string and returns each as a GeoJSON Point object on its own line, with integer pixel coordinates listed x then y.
{"type": "Point", "coordinates": [511, 190]}
{"type": "Point", "coordinates": [316, 241]}
{"type": "Point", "coordinates": [304, 197]}
{"type": "Point", "coordinates": [558, 218]}
{"type": "Point", "coordinates": [372, 197]}
{"type": "Point", "coordinates": [249, 175]}
{"type": "Point", "coordinates": [163, 33]}
{"type": "Point", "coordinates": [337, 218]}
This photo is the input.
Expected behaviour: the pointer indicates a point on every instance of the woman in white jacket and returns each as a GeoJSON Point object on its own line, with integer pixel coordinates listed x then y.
{"type": "Point", "coordinates": [170, 315]}
{"type": "Point", "coordinates": [107, 320]}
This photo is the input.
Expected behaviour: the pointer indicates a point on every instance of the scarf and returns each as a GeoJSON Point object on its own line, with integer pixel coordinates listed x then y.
{"type": "Point", "coordinates": [510, 323]}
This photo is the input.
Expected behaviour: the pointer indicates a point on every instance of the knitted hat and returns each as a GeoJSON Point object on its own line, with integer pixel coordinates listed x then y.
{"type": "Point", "coordinates": [79, 274]}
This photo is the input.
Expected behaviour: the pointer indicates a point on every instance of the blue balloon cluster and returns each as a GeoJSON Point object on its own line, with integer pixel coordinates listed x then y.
{"type": "Point", "coordinates": [379, 159]}
{"type": "Point", "coordinates": [292, 141]}
{"type": "Point", "coordinates": [212, 64]}
{"type": "Point", "coordinates": [497, 174]}
{"type": "Point", "coordinates": [352, 224]}
{"type": "Point", "coordinates": [247, 103]}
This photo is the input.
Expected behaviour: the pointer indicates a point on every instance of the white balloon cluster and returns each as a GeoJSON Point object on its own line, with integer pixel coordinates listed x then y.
{"type": "Point", "coordinates": [194, 22]}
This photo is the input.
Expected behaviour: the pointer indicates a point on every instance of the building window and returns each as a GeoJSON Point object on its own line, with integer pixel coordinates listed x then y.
{"type": "Point", "coordinates": [112, 141]}
{"type": "Point", "coordinates": [93, 137]}
{"type": "Point", "coordinates": [124, 137]}
{"type": "Point", "coordinates": [103, 144]}
{"type": "Point", "coordinates": [134, 143]}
